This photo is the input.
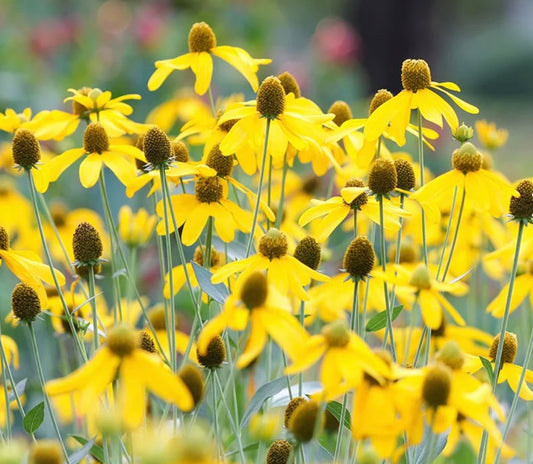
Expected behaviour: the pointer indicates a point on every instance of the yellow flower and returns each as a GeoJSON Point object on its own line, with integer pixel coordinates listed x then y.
{"type": "Point", "coordinates": [284, 271]}
{"type": "Point", "coordinates": [193, 211]}
{"type": "Point", "coordinates": [138, 370]}
{"type": "Point", "coordinates": [257, 302]}
{"type": "Point", "coordinates": [10, 121]}
{"type": "Point", "coordinates": [91, 105]}
{"type": "Point", "coordinates": [99, 152]}
{"type": "Point", "coordinates": [421, 93]}
{"type": "Point", "coordinates": [485, 191]}
{"type": "Point", "coordinates": [337, 208]}
{"type": "Point", "coordinates": [27, 266]}
{"type": "Point", "coordinates": [203, 43]}
{"type": "Point", "coordinates": [293, 121]}
{"type": "Point", "coordinates": [11, 350]}
{"type": "Point", "coordinates": [346, 357]}
{"type": "Point", "coordinates": [490, 136]}
{"type": "Point", "coordinates": [135, 229]}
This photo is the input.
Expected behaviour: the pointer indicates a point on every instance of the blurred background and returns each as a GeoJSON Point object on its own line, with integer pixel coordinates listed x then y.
{"type": "Point", "coordinates": [338, 49]}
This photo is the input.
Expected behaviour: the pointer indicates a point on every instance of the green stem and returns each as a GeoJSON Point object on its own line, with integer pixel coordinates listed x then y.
{"type": "Point", "coordinates": [354, 325]}
{"type": "Point", "coordinates": [208, 243]}
{"type": "Point", "coordinates": [421, 163]}
{"type": "Point", "coordinates": [79, 344]}
{"type": "Point", "coordinates": [213, 398]}
{"type": "Point", "coordinates": [279, 213]}
{"type": "Point", "coordinates": [45, 394]}
{"type": "Point", "coordinates": [269, 187]}
{"type": "Point", "coordinates": [6, 396]}
{"type": "Point", "coordinates": [259, 189]}
{"type": "Point", "coordinates": [212, 102]}
{"type": "Point", "coordinates": [448, 229]}
{"type": "Point", "coordinates": [341, 428]}
{"type": "Point", "coordinates": [93, 306]}
{"type": "Point", "coordinates": [385, 287]}
{"type": "Point", "coordinates": [455, 235]}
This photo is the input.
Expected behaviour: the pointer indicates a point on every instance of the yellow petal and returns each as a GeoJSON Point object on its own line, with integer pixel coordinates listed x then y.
{"type": "Point", "coordinates": [202, 67]}
{"type": "Point", "coordinates": [132, 396]}
{"type": "Point", "coordinates": [90, 169]}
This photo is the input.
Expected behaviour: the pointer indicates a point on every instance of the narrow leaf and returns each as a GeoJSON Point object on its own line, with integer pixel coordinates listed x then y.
{"type": "Point", "coordinates": [95, 451]}
{"type": "Point", "coordinates": [379, 321]}
{"type": "Point", "coordinates": [266, 391]}
{"type": "Point", "coordinates": [335, 408]}
{"type": "Point", "coordinates": [82, 452]}
{"type": "Point", "coordinates": [488, 367]}
{"type": "Point", "coordinates": [218, 292]}
{"type": "Point", "coordinates": [34, 418]}
{"type": "Point", "coordinates": [19, 388]}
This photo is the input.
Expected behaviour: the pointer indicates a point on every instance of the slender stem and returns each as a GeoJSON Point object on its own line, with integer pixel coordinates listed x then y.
{"type": "Point", "coordinates": [425, 332]}
{"type": "Point", "coordinates": [279, 213]}
{"type": "Point", "coordinates": [398, 250]}
{"type": "Point", "coordinates": [93, 306]}
{"type": "Point", "coordinates": [302, 321]}
{"type": "Point", "coordinates": [208, 243]}
{"type": "Point", "coordinates": [79, 344]}
{"type": "Point", "coordinates": [378, 151]}
{"type": "Point", "coordinates": [362, 328]}
{"type": "Point", "coordinates": [354, 325]}
{"type": "Point", "coordinates": [213, 399]}
{"type": "Point", "coordinates": [431, 441]}
{"type": "Point", "coordinates": [341, 428]}
{"type": "Point", "coordinates": [421, 163]}
{"type": "Point", "coordinates": [6, 395]}
{"type": "Point", "coordinates": [269, 187]}
{"type": "Point", "coordinates": [212, 102]}
{"type": "Point", "coordinates": [45, 394]}
{"type": "Point", "coordinates": [455, 235]}
{"type": "Point", "coordinates": [385, 287]}
{"type": "Point", "coordinates": [448, 230]}
{"type": "Point", "coordinates": [171, 314]}
{"type": "Point", "coordinates": [259, 189]}
{"type": "Point", "coordinates": [233, 422]}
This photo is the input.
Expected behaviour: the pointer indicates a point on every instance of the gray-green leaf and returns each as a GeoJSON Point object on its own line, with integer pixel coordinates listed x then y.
{"type": "Point", "coordinates": [218, 292]}
{"type": "Point", "coordinates": [34, 418]}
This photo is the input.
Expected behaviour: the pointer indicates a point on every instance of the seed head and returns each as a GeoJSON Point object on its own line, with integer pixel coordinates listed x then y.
{"type": "Point", "coordinates": [437, 385]}
{"type": "Point", "coordinates": [303, 419]}
{"type": "Point", "coordinates": [510, 347]}
{"type": "Point", "coordinates": [380, 97]}
{"type": "Point", "coordinates": [451, 355]}
{"type": "Point", "coordinates": [467, 159]}
{"type": "Point", "coordinates": [25, 303]}
{"type": "Point", "coordinates": [361, 199]}
{"type": "Point", "coordinates": [209, 189]}
{"type": "Point", "coordinates": [271, 98]}
{"type": "Point", "coordinates": [95, 139]}
{"type": "Point", "coordinates": [87, 244]}
{"type": "Point", "coordinates": [522, 207]}
{"type": "Point", "coordinates": [405, 174]}
{"type": "Point", "coordinates": [273, 244]}
{"type": "Point", "coordinates": [194, 379]}
{"type": "Point", "coordinates": [147, 342]}
{"type": "Point", "coordinates": [4, 239]}
{"type": "Point", "coordinates": [78, 108]}
{"type": "Point", "coordinates": [289, 84]}
{"type": "Point", "coordinates": [46, 452]}
{"type": "Point", "coordinates": [223, 165]}
{"type": "Point", "coordinates": [342, 112]}
{"type": "Point", "coordinates": [122, 340]}
{"type": "Point", "coordinates": [157, 317]}
{"type": "Point", "coordinates": [280, 452]}
{"type": "Point", "coordinates": [311, 185]}
{"type": "Point", "coordinates": [254, 291]}
{"type": "Point", "coordinates": [408, 252]}
{"type": "Point", "coordinates": [308, 252]}
{"type": "Point", "coordinates": [156, 146]}
{"type": "Point", "coordinates": [293, 404]}
{"type": "Point", "coordinates": [336, 333]}
{"type": "Point", "coordinates": [216, 353]}
{"type": "Point", "coordinates": [227, 125]}
{"type": "Point", "coordinates": [180, 152]}
{"type": "Point", "coordinates": [359, 258]}
{"type": "Point", "coordinates": [415, 75]}
{"type": "Point", "coordinates": [217, 258]}
{"type": "Point", "coordinates": [26, 149]}
{"type": "Point", "coordinates": [420, 277]}
{"type": "Point", "coordinates": [382, 178]}
{"type": "Point", "coordinates": [201, 38]}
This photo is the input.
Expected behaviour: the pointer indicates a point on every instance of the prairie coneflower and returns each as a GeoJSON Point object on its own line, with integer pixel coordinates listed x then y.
{"type": "Point", "coordinates": [202, 44]}
{"type": "Point", "coordinates": [138, 370]}
{"type": "Point", "coordinates": [419, 92]}
{"type": "Point", "coordinates": [286, 273]}
{"type": "Point", "coordinates": [99, 153]}
{"type": "Point", "coordinates": [257, 303]}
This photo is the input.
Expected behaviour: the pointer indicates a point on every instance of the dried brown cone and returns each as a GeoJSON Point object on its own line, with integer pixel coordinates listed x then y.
{"type": "Point", "coordinates": [215, 355]}
{"type": "Point", "coordinates": [303, 421]}
{"type": "Point", "coordinates": [156, 146]}
{"type": "Point", "coordinates": [180, 152]}
{"type": "Point", "coordinates": [95, 138]}
{"type": "Point", "coordinates": [382, 178]}
{"type": "Point", "coordinates": [342, 112]}
{"type": "Point", "coordinates": [201, 38]}
{"type": "Point", "coordinates": [25, 303]}
{"type": "Point", "coordinates": [209, 189]}
{"type": "Point", "coordinates": [360, 200]}
{"type": "Point", "coordinates": [405, 174]}
{"type": "Point", "coordinates": [289, 84]}
{"type": "Point", "coordinates": [308, 252]}
{"type": "Point", "coordinates": [416, 75]}
{"type": "Point", "coordinates": [271, 98]}
{"type": "Point", "coordinates": [280, 452]}
{"type": "Point", "coordinates": [273, 244]}
{"type": "Point", "coordinates": [223, 165]}
{"type": "Point", "coordinates": [26, 148]}
{"type": "Point", "coordinates": [380, 97]}
{"type": "Point", "coordinates": [4, 239]}
{"type": "Point", "coordinates": [293, 404]}
{"type": "Point", "coordinates": [147, 342]}
{"type": "Point", "coordinates": [87, 244]}
{"type": "Point", "coordinates": [437, 385]}
{"type": "Point", "coordinates": [510, 347]}
{"type": "Point", "coordinates": [522, 207]}
{"type": "Point", "coordinates": [359, 258]}
{"type": "Point", "coordinates": [194, 379]}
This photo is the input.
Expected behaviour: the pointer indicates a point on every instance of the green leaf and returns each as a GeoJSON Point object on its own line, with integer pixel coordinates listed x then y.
{"type": "Point", "coordinates": [335, 408]}
{"type": "Point", "coordinates": [19, 388]}
{"type": "Point", "coordinates": [218, 292]}
{"type": "Point", "coordinates": [488, 367]}
{"type": "Point", "coordinates": [379, 321]}
{"type": "Point", "coordinates": [82, 452]}
{"type": "Point", "coordinates": [95, 451]}
{"type": "Point", "coordinates": [266, 391]}
{"type": "Point", "coordinates": [34, 418]}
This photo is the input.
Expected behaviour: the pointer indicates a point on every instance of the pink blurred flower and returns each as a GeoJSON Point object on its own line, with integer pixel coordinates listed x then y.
{"type": "Point", "coordinates": [336, 41]}
{"type": "Point", "coordinates": [149, 23]}
{"type": "Point", "coordinates": [50, 34]}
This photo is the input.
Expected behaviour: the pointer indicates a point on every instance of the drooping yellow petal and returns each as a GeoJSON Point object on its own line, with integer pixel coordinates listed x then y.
{"type": "Point", "coordinates": [257, 339]}
{"type": "Point", "coordinates": [90, 169]}
{"type": "Point", "coordinates": [195, 223]}
{"type": "Point", "coordinates": [121, 168]}
{"type": "Point", "coordinates": [132, 396]}
{"type": "Point", "coordinates": [57, 165]}
{"type": "Point", "coordinates": [202, 67]}
{"type": "Point", "coordinates": [523, 285]}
